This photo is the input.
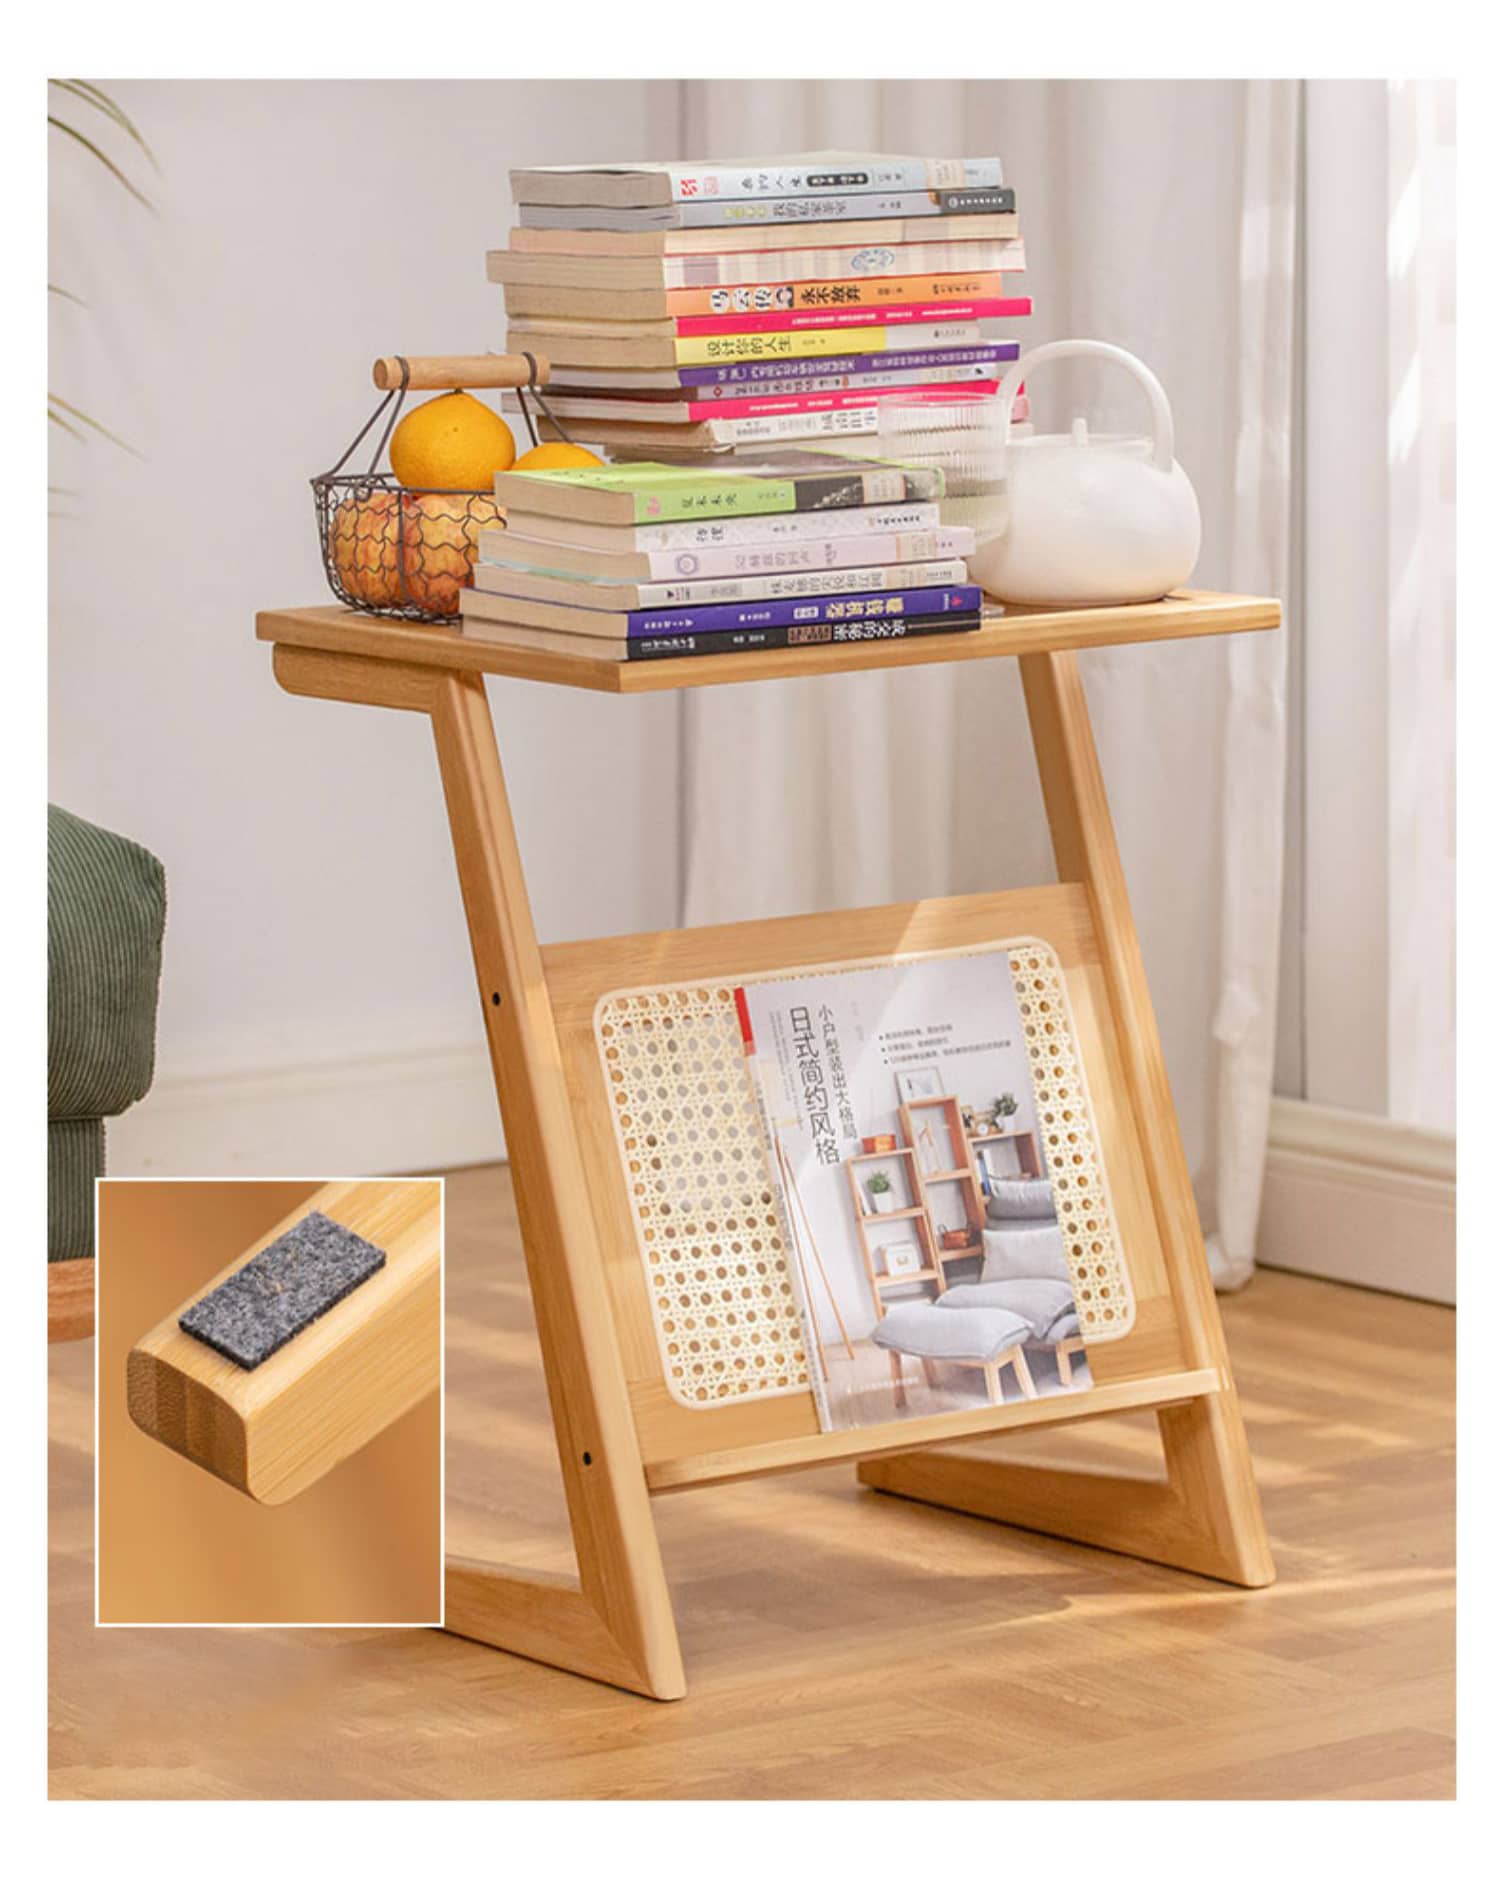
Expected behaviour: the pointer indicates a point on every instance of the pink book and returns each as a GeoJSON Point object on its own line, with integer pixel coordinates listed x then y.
{"type": "Point", "coordinates": [586, 408]}
{"type": "Point", "coordinates": [945, 312]}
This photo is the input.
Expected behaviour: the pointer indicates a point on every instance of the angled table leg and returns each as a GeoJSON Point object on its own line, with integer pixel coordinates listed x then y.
{"type": "Point", "coordinates": [616, 1624]}
{"type": "Point", "coordinates": [1205, 1516]}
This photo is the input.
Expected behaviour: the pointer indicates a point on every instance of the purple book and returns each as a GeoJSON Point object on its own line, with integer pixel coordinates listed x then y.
{"type": "Point", "coordinates": [916, 602]}
{"type": "Point", "coordinates": [790, 369]}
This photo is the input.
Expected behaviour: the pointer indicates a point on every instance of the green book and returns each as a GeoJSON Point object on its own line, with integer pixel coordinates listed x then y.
{"type": "Point", "coordinates": [794, 481]}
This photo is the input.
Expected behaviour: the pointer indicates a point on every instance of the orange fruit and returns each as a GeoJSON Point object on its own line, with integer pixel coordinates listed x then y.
{"type": "Point", "coordinates": [451, 441]}
{"type": "Point", "coordinates": [555, 454]}
{"type": "Point", "coordinates": [430, 541]}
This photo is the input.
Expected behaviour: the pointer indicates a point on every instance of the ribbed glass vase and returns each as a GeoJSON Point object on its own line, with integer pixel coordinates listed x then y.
{"type": "Point", "coordinates": [961, 434]}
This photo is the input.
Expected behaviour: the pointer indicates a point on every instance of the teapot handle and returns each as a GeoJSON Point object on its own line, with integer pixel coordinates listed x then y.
{"type": "Point", "coordinates": [1161, 409]}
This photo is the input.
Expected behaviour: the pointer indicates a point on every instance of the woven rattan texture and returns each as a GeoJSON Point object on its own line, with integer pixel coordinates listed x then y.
{"type": "Point", "coordinates": [1101, 1286]}
{"type": "Point", "coordinates": [706, 1209]}
{"type": "Point", "coordinates": [698, 1176]}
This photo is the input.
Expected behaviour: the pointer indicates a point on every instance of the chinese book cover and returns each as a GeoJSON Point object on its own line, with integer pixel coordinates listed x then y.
{"type": "Point", "coordinates": [906, 1149]}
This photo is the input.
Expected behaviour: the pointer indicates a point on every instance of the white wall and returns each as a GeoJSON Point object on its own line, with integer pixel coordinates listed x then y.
{"type": "Point", "coordinates": [317, 1009]}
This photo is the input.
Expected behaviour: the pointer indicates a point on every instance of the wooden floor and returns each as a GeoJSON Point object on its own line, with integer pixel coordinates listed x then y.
{"type": "Point", "coordinates": [841, 1644]}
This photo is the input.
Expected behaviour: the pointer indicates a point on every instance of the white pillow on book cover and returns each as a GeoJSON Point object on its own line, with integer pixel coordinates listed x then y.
{"type": "Point", "coordinates": [1020, 1198]}
{"type": "Point", "coordinates": [1042, 1301]}
{"type": "Point", "coordinates": [1034, 1252]}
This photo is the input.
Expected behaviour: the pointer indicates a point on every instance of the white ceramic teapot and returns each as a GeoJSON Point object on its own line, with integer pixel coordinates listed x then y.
{"type": "Point", "coordinates": [1088, 520]}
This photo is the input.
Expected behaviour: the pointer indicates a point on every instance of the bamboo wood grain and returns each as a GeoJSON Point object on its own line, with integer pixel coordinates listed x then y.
{"type": "Point", "coordinates": [857, 1445]}
{"type": "Point", "coordinates": [618, 1430]}
{"type": "Point", "coordinates": [70, 1299]}
{"type": "Point", "coordinates": [1209, 1518]}
{"type": "Point", "coordinates": [1008, 635]}
{"type": "Point", "coordinates": [274, 1430]}
{"type": "Point", "coordinates": [473, 371]}
{"type": "Point", "coordinates": [1208, 1458]}
{"type": "Point", "coordinates": [618, 1623]}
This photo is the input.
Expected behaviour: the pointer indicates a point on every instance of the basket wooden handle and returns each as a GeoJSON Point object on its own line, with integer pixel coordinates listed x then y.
{"type": "Point", "coordinates": [481, 371]}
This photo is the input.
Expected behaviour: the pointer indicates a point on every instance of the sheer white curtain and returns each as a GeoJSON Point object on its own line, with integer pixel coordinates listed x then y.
{"type": "Point", "coordinates": [1161, 216]}
{"type": "Point", "coordinates": [1421, 279]}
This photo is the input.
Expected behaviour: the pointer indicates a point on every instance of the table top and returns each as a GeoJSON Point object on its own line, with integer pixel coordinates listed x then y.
{"type": "Point", "coordinates": [1013, 633]}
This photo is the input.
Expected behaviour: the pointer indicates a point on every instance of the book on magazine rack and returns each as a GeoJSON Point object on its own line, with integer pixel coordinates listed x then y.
{"type": "Point", "coordinates": [715, 644]}
{"type": "Point", "coordinates": [792, 481]}
{"type": "Point", "coordinates": [880, 1089]}
{"type": "Point", "coordinates": [718, 214]}
{"type": "Point", "coordinates": [799, 174]}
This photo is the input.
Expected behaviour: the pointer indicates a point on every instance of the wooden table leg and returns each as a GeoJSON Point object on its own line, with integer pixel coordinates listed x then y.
{"type": "Point", "coordinates": [616, 1624]}
{"type": "Point", "coordinates": [1206, 1516]}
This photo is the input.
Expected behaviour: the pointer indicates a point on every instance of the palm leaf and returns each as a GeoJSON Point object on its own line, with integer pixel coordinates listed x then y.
{"type": "Point", "coordinates": [101, 101]}
{"type": "Point", "coordinates": [63, 414]}
{"type": "Point", "coordinates": [55, 402]}
{"type": "Point", "coordinates": [103, 157]}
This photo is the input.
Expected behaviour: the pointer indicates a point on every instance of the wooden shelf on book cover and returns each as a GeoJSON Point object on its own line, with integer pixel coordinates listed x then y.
{"type": "Point", "coordinates": [622, 1435]}
{"type": "Point", "coordinates": [964, 1176]}
{"type": "Point", "coordinates": [1028, 1165]}
{"type": "Point", "coordinates": [915, 1212]}
{"type": "Point", "coordinates": [1012, 634]}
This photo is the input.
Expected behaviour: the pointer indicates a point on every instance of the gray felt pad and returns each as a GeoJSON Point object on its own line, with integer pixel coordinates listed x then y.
{"type": "Point", "coordinates": [283, 1288]}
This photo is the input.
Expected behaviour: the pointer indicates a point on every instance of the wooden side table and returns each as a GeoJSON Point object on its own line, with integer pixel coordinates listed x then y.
{"type": "Point", "coordinates": [621, 1437]}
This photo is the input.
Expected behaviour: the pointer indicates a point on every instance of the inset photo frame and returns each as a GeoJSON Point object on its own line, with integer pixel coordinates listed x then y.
{"type": "Point", "coordinates": [903, 1258]}
{"type": "Point", "coordinates": [919, 1082]}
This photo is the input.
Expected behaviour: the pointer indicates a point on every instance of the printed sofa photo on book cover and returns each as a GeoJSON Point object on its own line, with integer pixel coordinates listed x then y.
{"type": "Point", "coordinates": [905, 1147]}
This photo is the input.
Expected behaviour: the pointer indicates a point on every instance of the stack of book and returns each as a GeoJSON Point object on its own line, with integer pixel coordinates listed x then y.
{"type": "Point", "coordinates": [666, 561]}
{"type": "Point", "coordinates": [685, 308]}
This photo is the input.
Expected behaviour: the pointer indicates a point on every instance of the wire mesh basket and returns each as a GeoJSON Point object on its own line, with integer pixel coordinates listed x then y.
{"type": "Point", "coordinates": [400, 552]}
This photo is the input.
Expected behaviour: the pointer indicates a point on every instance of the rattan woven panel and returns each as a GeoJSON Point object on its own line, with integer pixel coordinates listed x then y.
{"type": "Point", "coordinates": [707, 1210]}
{"type": "Point", "coordinates": [1096, 1258]}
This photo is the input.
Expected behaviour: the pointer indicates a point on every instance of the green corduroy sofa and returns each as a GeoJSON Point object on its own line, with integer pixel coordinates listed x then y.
{"type": "Point", "coordinates": [106, 913]}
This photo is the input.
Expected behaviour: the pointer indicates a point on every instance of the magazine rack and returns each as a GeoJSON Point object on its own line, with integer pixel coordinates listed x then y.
{"type": "Point", "coordinates": [621, 1436]}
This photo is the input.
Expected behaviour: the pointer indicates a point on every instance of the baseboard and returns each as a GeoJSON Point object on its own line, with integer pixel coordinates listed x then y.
{"type": "Point", "coordinates": [1361, 1200]}
{"type": "Point", "coordinates": [359, 1116]}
